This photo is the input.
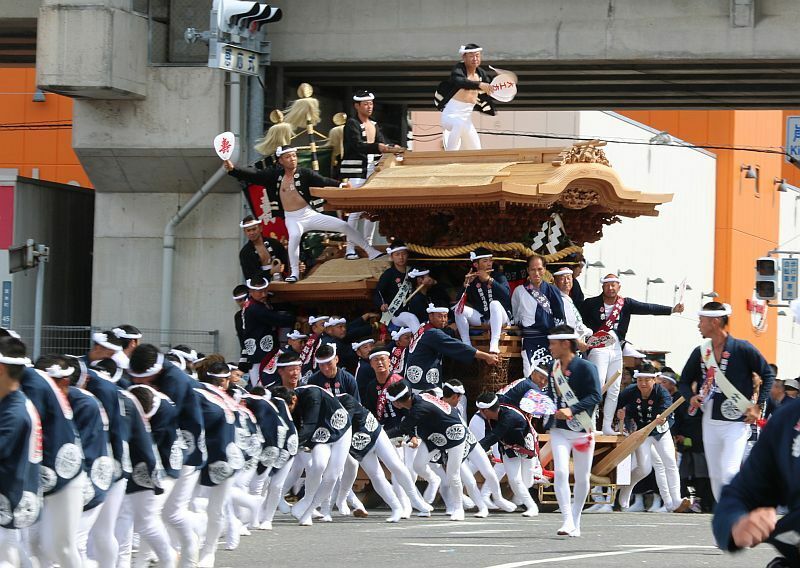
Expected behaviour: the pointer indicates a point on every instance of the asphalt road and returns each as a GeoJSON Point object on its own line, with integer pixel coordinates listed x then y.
{"type": "Point", "coordinates": [500, 541]}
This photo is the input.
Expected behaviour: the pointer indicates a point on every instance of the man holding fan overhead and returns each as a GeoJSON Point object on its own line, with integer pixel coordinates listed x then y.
{"type": "Point", "coordinates": [467, 87]}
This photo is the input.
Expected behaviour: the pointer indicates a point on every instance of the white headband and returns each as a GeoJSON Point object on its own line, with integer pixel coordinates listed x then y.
{"type": "Point", "coordinates": [413, 273]}
{"type": "Point", "coordinates": [435, 310]}
{"type": "Point", "coordinates": [15, 360]}
{"type": "Point", "coordinates": [11, 332]}
{"type": "Point", "coordinates": [667, 378]}
{"type": "Point", "coordinates": [292, 363]}
{"type": "Point", "coordinates": [485, 405]}
{"type": "Point", "coordinates": [609, 279]}
{"type": "Point", "coordinates": [295, 334]}
{"type": "Point", "coordinates": [637, 374]}
{"type": "Point", "coordinates": [285, 150]}
{"type": "Point", "coordinates": [563, 336]}
{"type": "Point", "coordinates": [220, 375]}
{"type": "Point", "coordinates": [59, 372]}
{"type": "Point", "coordinates": [541, 370]}
{"type": "Point", "coordinates": [378, 354]}
{"type": "Point", "coordinates": [399, 395]}
{"type": "Point", "coordinates": [458, 389]}
{"type": "Point", "coordinates": [563, 272]}
{"type": "Point", "coordinates": [398, 248]}
{"type": "Point", "coordinates": [156, 368]}
{"type": "Point", "coordinates": [249, 224]}
{"type": "Point", "coordinates": [366, 97]}
{"type": "Point", "coordinates": [240, 296]}
{"type": "Point", "coordinates": [314, 319]}
{"type": "Point", "coordinates": [473, 257]}
{"type": "Point", "coordinates": [254, 287]}
{"type": "Point", "coordinates": [191, 356]}
{"type": "Point", "coordinates": [725, 311]}
{"type": "Point", "coordinates": [102, 340]}
{"type": "Point", "coordinates": [464, 49]}
{"type": "Point", "coordinates": [399, 333]}
{"type": "Point", "coordinates": [361, 343]}
{"type": "Point", "coordinates": [329, 358]}
{"type": "Point", "coordinates": [335, 321]}
{"type": "Point", "coordinates": [156, 398]}
{"type": "Point", "coordinates": [122, 334]}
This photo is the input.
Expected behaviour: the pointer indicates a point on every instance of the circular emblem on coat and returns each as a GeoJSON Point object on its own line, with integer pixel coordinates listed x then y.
{"type": "Point", "coordinates": [730, 410]}
{"type": "Point", "coordinates": [339, 418]}
{"type": "Point", "coordinates": [249, 346]}
{"type": "Point", "coordinates": [117, 469]}
{"type": "Point", "coordinates": [102, 472]}
{"type": "Point", "coordinates": [661, 428]}
{"type": "Point", "coordinates": [176, 455]}
{"type": "Point", "coordinates": [242, 438]}
{"type": "Point", "coordinates": [219, 471]}
{"type": "Point", "coordinates": [47, 478]}
{"type": "Point", "coordinates": [281, 460]}
{"type": "Point", "coordinates": [435, 456]}
{"type": "Point", "coordinates": [455, 432]}
{"type": "Point", "coordinates": [141, 476]}
{"type": "Point", "coordinates": [254, 447]}
{"type": "Point", "coordinates": [414, 374]}
{"type": "Point", "coordinates": [69, 460]}
{"type": "Point", "coordinates": [371, 423]}
{"type": "Point", "coordinates": [291, 444]}
{"type": "Point", "coordinates": [432, 376]}
{"type": "Point", "coordinates": [201, 445]}
{"type": "Point", "coordinates": [27, 510]}
{"type": "Point", "coordinates": [5, 510]}
{"type": "Point", "coordinates": [266, 343]}
{"type": "Point", "coordinates": [360, 440]}
{"type": "Point", "coordinates": [471, 439]}
{"type": "Point", "coordinates": [437, 439]}
{"type": "Point", "coordinates": [574, 424]}
{"type": "Point", "coordinates": [188, 441]}
{"type": "Point", "coordinates": [269, 455]}
{"type": "Point", "coordinates": [234, 456]}
{"type": "Point", "coordinates": [530, 442]}
{"type": "Point", "coordinates": [88, 492]}
{"type": "Point", "coordinates": [321, 435]}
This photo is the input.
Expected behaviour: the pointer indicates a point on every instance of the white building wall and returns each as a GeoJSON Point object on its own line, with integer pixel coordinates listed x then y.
{"type": "Point", "coordinates": [788, 359]}
{"type": "Point", "coordinates": [677, 244]}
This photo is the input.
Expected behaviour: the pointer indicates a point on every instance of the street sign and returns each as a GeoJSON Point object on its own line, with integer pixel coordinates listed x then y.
{"type": "Point", "coordinates": [5, 305]}
{"type": "Point", "coordinates": [793, 137]}
{"type": "Point", "coordinates": [789, 270]}
{"type": "Point", "coordinates": [237, 60]}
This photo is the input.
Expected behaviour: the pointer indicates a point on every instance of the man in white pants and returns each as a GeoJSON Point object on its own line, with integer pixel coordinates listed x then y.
{"type": "Point", "coordinates": [467, 88]}
{"type": "Point", "coordinates": [289, 190]}
{"type": "Point", "coordinates": [642, 403]}
{"type": "Point", "coordinates": [722, 370]}
{"type": "Point", "coordinates": [363, 145]}
{"type": "Point", "coordinates": [609, 315]}
{"type": "Point", "coordinates": [489, 297]}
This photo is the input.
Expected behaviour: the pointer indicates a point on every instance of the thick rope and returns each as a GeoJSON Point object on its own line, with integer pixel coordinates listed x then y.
{"type": "Point", "coordinates": [449, 252]}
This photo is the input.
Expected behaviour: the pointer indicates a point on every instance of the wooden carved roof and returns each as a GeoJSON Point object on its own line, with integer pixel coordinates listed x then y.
{"type": "Point", "coordinates": [445, 198]}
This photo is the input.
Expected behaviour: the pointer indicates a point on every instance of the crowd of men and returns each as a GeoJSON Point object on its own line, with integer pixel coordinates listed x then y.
{"type": "Point", "coordinates": [127, 454]}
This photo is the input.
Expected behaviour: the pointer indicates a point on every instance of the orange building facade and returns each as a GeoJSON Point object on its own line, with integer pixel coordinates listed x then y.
{"type": "Point", "coordinates": [747, 211]}
{"type": "Point", "coordinates": [36, 144]}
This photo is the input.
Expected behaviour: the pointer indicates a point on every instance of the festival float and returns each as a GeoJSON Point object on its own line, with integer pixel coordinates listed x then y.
{"type": "Point", "coordinates": [515, 202]}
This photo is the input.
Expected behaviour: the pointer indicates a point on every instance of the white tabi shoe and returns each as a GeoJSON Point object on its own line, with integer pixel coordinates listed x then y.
{"type": "Point", "coordinates": [638, 504]}
{"type": "Point", "coordinates": [458, 515]}
{"type": "Point", "coordinates": [482, 512]}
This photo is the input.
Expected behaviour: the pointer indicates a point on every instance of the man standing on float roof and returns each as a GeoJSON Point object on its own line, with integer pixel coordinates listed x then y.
{"type": "Point", "coordinates": [722, 368]}
{"type": "Point", "coordinates": [467, 88]}
{"type": "Point", "coordinates": [609, 315]}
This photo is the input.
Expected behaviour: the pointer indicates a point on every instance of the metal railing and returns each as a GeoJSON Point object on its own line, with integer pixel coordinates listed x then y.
{"type": "Point", "coordinates": [77, 339]}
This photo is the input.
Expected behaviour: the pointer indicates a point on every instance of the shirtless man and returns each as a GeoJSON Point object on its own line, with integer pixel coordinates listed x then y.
{"type": "Point", "coordinates": [289, 189]}
{"type": "Point", "coordinates": [467, 88]}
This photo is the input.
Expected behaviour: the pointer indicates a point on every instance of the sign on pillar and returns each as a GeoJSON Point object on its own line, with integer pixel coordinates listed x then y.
{"type": "Point", "coordinates": [793, 137]}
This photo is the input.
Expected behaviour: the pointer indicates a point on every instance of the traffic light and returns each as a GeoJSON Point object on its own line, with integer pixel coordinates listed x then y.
{"type": "Point", "coordinates": [240, 17]}
{"type": "Point", "coordinates": [767, 287]}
